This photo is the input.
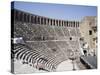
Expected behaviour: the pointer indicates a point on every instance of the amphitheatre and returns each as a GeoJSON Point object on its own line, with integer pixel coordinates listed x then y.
{"type": "Point", "coordinates": [42, 44]}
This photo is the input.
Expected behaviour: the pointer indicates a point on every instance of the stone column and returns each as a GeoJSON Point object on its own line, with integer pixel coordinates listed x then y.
{"type": "Point", "coordinates": [36, 19]}
{"type": "Point", "coordinates": [55, 22]}
{"type": "Point", "coordinates": [40, 20]}
{"type": "Point", "coordinates": [63, 22]}
{"type": "Point", "coordinates": [14, 14]}
{"type": "Point", "coordinates": [46, 21]}
{"type": "Point", "coordinates": [78, 24]}
{"type": "Point", "coordinates": [22, 17]}
{"type": "Point", "coordinates": [33, 19]}
{"type": "Point", "coordinates": [71, 23]}
{"type": "Point", "coordinates": [59, 22]}
{"type": "Point", "coordinates": [50, 21]}
{"type": "Point", "coordinates": [18, 16]}
{"type": "Point", "coordinates": [26, 17]}
{"type": "Point", "coordinates": [29, 18]}
{"type": "Point", "coordinates": [43, 20]}
{"type": "Point", "coordinates": [68, 23]}
{"type": "Point", "coordinates": [75, 24]}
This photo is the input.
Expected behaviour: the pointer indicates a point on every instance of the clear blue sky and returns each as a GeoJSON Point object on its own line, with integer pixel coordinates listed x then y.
{"type": "Point", "coordinates": [57, 11]}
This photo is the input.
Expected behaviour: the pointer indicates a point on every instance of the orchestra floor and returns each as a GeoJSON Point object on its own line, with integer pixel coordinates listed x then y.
{"type": "Point", "coordinates": [20, 68]}
{"type": "Point", "coordinates": [67, 66]}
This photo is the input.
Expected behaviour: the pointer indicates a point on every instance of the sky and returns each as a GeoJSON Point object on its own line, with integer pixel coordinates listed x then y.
{"type": "Point", "coordinates": [57, 11]}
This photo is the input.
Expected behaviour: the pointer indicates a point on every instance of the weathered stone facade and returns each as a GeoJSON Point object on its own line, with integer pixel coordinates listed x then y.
{"type": "Point", "coordinates": [88, 29]}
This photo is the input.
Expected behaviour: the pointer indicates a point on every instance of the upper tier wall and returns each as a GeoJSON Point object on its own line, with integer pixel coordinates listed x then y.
{"type": "Point", "coordinates": [18, 15]}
